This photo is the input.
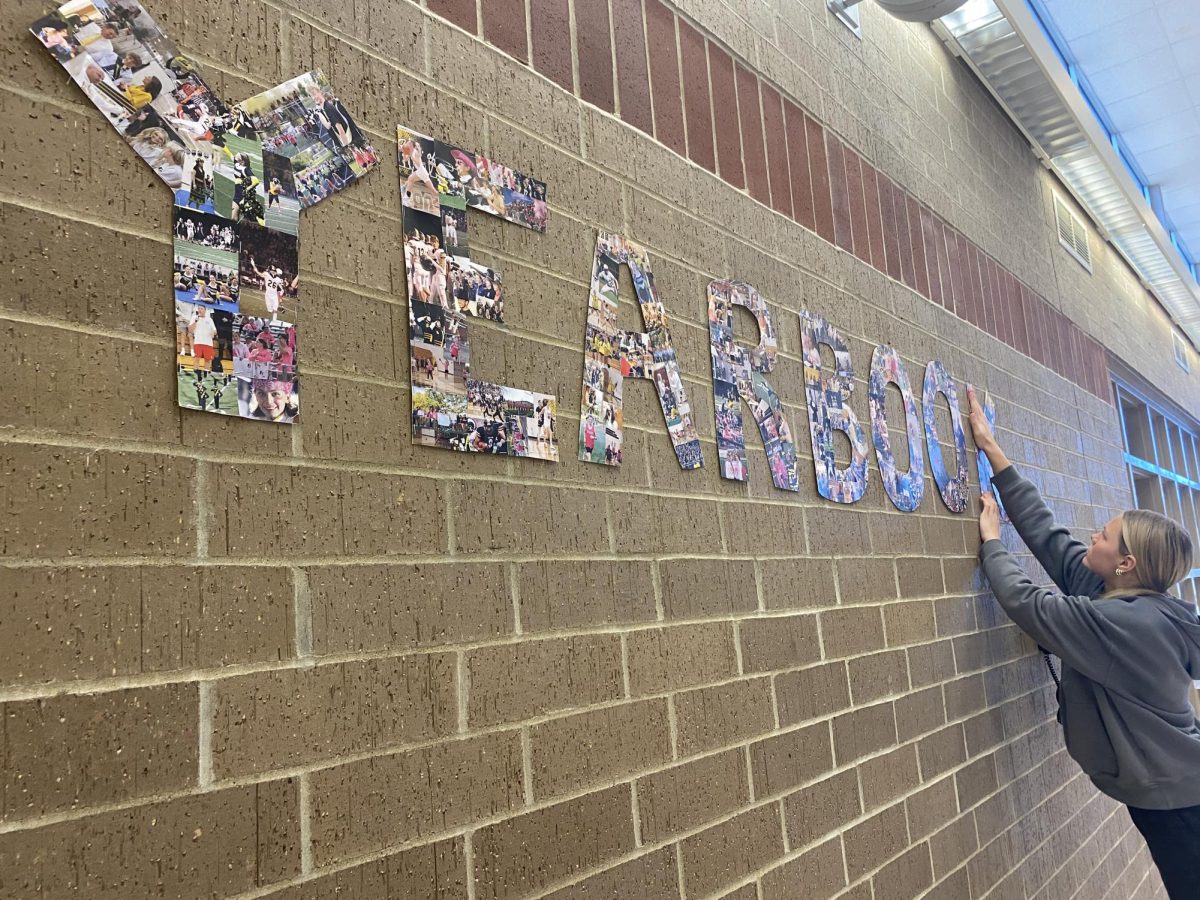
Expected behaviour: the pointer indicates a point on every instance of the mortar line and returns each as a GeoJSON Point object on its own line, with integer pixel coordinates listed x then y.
{"type": "Point", "coordinates": [656, 584]}
{"type": "Point", "coordinates": [200, 500]}
{"type": "Point", "coordinates": [679, 872]}
{"type": "Point", "coordinates": [625, 665]}
{"type": "Point", "coordinates": [635, 809]}
{"type": "Point", "coordinates": [462, 684]}
{"type": "Point", "coordinates": [673, 727]}
{"type": "Point", "coordinates": [615, 69]}
{"type": "Point", "coordinates": [469, 860]}
{"type": "Point", "coordinates": [206, 725]}
{"type": "Point", "coordinates": [527, 765]}
{"type": "Point", "coordinates": [514, 587]}
{"type": "Point", "coordinates": [303, 613]}
{"type": "Point", "coordinates": [675, 19]}
{"type": "Point", "coordinates": [483, 558]}
{"type": "Point", "coordinates": [451, 522]}
{"type": "Point", "coordinates": [306, 846]}
{"type": "Point", "coordinates": [760, 592]}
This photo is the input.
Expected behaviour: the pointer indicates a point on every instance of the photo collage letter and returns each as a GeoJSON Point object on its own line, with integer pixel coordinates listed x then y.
{"type": "Point", "coordinates": [739, 373]}
{"type": "Point", "coordinates": [829, 411]}
{"type": "Point", "coordinates": [610, 355]}
{"type": "Point", "coordinates": [982, 464]}
{"type": "Point", "coordinates": [953, 490]}
{"type": "Point", "coordinates": [905, 491]}
{"type": "Point", "coordinates": [451, 410]}
{"type": "Point", "coordinates": [240, 176]}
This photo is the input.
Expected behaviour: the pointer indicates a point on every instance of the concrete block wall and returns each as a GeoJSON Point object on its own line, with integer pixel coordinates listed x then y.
{"type": "Point", "coordinates": [242, 661]}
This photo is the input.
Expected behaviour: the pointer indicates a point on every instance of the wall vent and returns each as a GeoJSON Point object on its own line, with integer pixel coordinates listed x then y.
{"type": "Point", "coordinates": [1072, 232]}
{"type": "Point", "coordinates": [1181, 352]}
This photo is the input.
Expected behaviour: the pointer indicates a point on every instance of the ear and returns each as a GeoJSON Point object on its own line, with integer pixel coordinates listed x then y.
{"type": "Point", "coordinates": [1127, 564]}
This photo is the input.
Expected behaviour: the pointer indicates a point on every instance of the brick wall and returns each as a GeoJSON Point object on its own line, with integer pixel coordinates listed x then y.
{"type": "Point", "coordinates": [317, 661]}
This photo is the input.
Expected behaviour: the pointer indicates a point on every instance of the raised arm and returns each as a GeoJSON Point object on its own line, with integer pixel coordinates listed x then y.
{"type": "Point", "coordinates": [1071, 627]}
{"type": "Point", "coordinates": [1051, 543]}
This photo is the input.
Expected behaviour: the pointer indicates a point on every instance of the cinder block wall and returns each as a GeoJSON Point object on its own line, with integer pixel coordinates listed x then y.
{"type": "Point", "coordinates": [315, 661]}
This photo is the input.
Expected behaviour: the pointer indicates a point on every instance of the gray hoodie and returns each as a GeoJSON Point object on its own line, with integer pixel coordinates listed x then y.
{"type": "Point", "coordinates": [1128, 664]}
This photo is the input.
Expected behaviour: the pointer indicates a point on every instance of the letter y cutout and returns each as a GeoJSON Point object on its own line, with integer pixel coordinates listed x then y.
{"type": "Point", "coordinates": [240, 176]}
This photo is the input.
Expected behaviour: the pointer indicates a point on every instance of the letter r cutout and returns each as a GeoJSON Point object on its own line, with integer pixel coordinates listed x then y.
{"type": "Point", "coordinates": [739, 374]}
{"type": "Point", "coordinates": [240, 176]}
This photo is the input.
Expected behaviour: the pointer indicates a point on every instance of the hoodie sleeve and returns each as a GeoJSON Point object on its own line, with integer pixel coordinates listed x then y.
{"type": "Point", "coordinates": [1059, 553]}
{"type": "Point", "coordinates": [1070, 627]}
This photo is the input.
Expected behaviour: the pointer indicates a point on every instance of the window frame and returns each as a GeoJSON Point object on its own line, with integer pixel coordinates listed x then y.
{"type": "Point", "coordinates": [1178, 480]}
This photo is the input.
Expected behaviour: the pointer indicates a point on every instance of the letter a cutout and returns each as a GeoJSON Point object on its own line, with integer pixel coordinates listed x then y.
{"type": "Point", "coordinates": [611, 355]}
{"type": "Point", "coordinates": [240, 176]}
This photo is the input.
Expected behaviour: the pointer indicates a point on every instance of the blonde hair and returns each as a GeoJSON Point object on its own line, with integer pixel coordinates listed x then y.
{"type": "Point", "coordinates": [1162, 547]}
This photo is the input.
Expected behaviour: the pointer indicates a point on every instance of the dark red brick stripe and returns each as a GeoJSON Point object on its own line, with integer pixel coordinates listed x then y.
{"type": "Point", "coordinates": [460, 12]}
{"type": "Point", "coordinates": [593, 49]}
{"type": "Point", "coordinates": [664, 76]}
{"type": "Point", "coordinates": [782, 157]}
{"type": "Point", "coordinates": [697, 101]}
{"type": "Point", "coordinates": [504, 26]}
{"type": "Point", "coordinates": [794, 177]}
{"type": "Point", "coordinates": [550, 25]}
{"type": "Point", "coordinates": [843, 232]}
{"type": "Point", "coordinates": [725, 115]}
{"type": "Point", "coordinates": [870, 180]}
{"type": "Point", "coordinates": [858, 207]}
{"type": "Point", "coordinates": [778, 150]}
{"type": "Point", "coordinates": [754, 149]}
{"type": "Point", "coordinates": [633, 75]}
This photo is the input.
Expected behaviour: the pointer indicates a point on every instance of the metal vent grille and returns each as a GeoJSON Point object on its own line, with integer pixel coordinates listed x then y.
{"type": "Point", "coordinates": [1072, 233]}
{"type": "Point", "coordinates": [1181, 352]}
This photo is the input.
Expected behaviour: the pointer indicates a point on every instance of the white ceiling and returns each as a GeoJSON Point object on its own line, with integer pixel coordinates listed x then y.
{"type": "Point", "coordinates": [1141, 59]}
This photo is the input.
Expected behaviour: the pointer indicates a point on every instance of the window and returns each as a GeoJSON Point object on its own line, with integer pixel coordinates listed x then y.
{"type": "Point", "coordinates": [1163, 456]}
{"type": "Point", "coordinates": [1072, 232]}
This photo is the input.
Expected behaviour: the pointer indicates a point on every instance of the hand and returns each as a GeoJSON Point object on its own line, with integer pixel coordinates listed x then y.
{"type": "Point", "coordinates": [989, 519]}
{"type": "Point", "coordinates": [980, 427]}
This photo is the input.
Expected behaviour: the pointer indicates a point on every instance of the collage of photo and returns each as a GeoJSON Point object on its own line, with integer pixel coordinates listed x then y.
{"type": "Point", "coordinates": [953, 489]}
{"type": "Point", "coordinates": [829, 412]}
{"type": "Point", "coordinates": [444, 180]}
{"type": "Point", "coordinates": [739, 375]}
{"type": "Point", "coordinates": [451, 410]}
{"type": "Point", "coordinates": [982, 464]}
{"type": "Point", "coordinates": [611, 355]}
{"type": "Point", "coordinates": [240, 176]}
{"type": "Point", "coordinates": [904, 490]}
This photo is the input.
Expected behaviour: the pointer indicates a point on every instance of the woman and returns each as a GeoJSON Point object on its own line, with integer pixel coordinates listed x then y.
{"type": "Point", "coordinates": [140, 95]}
{"type": "Point", "coordinates": [169, 165]}
{"type": "Point", "coordinates": [1130, 652]}
{"type": "Point", "coordinates": [274, 400]}
{"type": "Point", "coordinates": [149, 144]}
